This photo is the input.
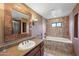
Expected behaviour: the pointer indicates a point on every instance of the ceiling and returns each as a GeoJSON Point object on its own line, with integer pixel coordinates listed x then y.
{"type": "Point", "coordinates": [52, 10]}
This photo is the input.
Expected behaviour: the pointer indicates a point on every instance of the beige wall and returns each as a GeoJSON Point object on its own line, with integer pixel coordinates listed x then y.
{"type": "Point", "coordinates": [1, 22]}
{"type": "Point", "coordinates": [71, 18]}
{"type": "Point", "coordinates": [71, 25]}
{"type": "Point", "coordinates": [58, 31]}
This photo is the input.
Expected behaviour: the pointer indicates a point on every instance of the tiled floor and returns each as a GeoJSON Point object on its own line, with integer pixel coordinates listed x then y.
{"type": "Point", "coordinates": [48, 54]}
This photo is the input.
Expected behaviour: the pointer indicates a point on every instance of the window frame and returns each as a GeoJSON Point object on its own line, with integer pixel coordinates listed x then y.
{"type": "Point", "coordinates": [56, 24]}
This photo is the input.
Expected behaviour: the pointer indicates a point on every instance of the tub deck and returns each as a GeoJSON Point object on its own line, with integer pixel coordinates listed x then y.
{"type": "Point", "coordinates": [59, 39]}
{"type": "Point", "coordinates": [58, 46]}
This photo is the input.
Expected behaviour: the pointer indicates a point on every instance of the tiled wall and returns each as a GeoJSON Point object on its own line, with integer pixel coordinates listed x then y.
{"type": "Point", "coordinates": [61, 48]}
{"type": "Point", "coordinates": [58, 31]}
{"type": "Point", "coordinates": [8, 19]}
{"type": "Point", "coordinates": [1, 23]}
{"type": "Point", "coordinates": [8, 23]}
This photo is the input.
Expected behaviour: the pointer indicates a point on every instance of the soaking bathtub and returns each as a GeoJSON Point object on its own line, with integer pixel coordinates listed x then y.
{"type": "Point", "coordinates": [59, 44]}
{"type": "Point", "coordinates": [59, 39]}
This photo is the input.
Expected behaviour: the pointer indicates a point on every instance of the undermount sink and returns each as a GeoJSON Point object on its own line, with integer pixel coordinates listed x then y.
{"type": "Point", "coordinates": [26, 45]}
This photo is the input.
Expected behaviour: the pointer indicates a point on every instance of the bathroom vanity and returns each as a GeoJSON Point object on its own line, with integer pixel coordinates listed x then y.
{"type": "Point", "coordinates": [18, 28]}
{"type": "Point", "coordinates": [37, 50]}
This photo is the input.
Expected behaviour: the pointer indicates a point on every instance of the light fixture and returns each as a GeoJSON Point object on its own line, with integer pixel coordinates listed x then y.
{"type": "Point", "coordinates": [18, 5]}
{"type": "Point", "coordinates": [35, 19]}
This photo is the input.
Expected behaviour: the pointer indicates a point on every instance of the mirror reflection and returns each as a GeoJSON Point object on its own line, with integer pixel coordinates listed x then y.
{"type": "Point", "coordinates": [20, 22]}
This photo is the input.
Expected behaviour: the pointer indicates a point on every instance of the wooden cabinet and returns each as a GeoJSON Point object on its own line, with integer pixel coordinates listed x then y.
{"type": "Point", "coordinates": [37, 51]}
{"type": "Point", "coordinates": [42, 48]}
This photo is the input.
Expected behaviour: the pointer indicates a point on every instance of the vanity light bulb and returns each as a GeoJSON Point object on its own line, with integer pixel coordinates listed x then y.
{"type": "Point", "coordinates": [35, 19]}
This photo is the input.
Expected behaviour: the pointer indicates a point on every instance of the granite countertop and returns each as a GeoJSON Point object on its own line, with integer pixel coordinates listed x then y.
{"type": "Point", "coordinates": [13, 51]}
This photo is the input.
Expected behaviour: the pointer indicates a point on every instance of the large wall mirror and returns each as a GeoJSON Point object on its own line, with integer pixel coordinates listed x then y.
{"type": "Point", "coordinates": [20, 22]}
{"type": "Point", "coordinates": [17, 23]}
{"type": "Point", "coordinates": [16, 26]}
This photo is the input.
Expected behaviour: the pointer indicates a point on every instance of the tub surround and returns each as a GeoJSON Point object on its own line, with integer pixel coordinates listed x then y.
{"type": "Point", "coordinates": [56, 46]}
{"type": "Point", "coordinates": [59, 39]}
{"type": "Point", "coordinates": [62, 31]}
{"type": "Point", "coordinates": [13, 51]}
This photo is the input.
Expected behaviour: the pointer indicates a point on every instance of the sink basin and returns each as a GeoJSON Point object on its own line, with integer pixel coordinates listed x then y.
{"type": "Point", "coordinates": [26, 45]}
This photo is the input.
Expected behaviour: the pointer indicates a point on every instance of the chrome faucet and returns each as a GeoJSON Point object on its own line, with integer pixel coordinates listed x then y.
{"type": "Point", "coordinates": [27, 40]}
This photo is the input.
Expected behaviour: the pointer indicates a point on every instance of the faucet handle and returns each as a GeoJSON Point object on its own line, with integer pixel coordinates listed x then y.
{"type": "Point", "coordinates": [27, 40]}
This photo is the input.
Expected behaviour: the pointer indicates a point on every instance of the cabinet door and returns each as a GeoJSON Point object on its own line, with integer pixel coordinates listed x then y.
{"type": "Point", "coordinates": [42, 51]}
{"type": "Point", "coordinates": [34, 51]}
{"type": "Point", "coordinates": [38, 53]}
{"type": "Point", "coordinates": [42, 48]}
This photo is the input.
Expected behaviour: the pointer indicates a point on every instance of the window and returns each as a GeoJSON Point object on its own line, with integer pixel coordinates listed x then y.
{"type": "Point", "coordinates": [59, 24]}
{"type": "Point", "coordinates": [56, 24]}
